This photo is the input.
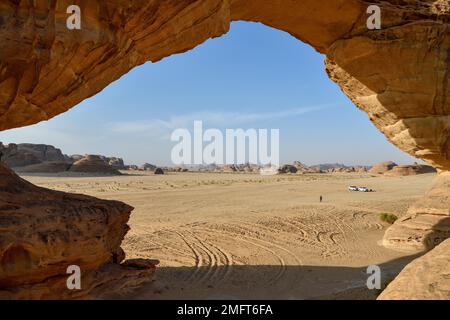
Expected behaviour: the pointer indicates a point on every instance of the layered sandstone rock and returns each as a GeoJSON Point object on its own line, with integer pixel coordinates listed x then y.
{"type": "Point", "coordinates": [427, 222]}
{"type": "Point", "coordinates": [25, 154]}
{"type": "Point", "coordinates": [426, 278]}
{"type": "Point", "coordinates": [398, 75]}
{"type": "Point", "coordinates": [42, 232]}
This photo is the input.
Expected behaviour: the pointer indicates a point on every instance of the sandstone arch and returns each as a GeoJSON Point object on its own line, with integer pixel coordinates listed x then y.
{"type": "Point", "coordinates": [398, 75]}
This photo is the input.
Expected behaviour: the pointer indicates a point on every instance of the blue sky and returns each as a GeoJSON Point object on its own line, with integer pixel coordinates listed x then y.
{"type": "Point", "coordinates": [252, 77]}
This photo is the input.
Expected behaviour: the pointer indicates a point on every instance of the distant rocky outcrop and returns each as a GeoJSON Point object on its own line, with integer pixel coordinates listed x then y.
{"type": "Point", "coordinates": [287, 168]}
{"type": "Point", "coordinates": [93, 164]}
{"type": "Point", "coordinates": [116, 163]}
{"type": "Point", "coordinates": [409, 170]}
{"type": "Point", "coordinates": [382, 168]}
{"type": "Point", "coordinates": [159, 171]}
{"type": "Point", "coordinates": [25, 154]}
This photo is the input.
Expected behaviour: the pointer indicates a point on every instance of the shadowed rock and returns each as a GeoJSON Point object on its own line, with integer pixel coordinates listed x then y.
{"type": "Point", "coordinates": [42, 232]}
{"type": "Point", "coordinates": [426, 278]}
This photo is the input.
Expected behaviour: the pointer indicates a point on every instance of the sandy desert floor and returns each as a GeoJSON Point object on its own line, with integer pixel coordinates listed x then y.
{"type": "Point", "coordinates": [244, 236]}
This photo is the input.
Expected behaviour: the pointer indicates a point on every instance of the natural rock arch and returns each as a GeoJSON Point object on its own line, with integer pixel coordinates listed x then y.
{"type": "Point", "coordinates": [398, 75]}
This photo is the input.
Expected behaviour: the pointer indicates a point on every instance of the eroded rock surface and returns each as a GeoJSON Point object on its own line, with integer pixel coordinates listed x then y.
{"type": "Point", "coordinates": [427, 222]}
{"type": "Point", "coordinates": [26, 154]}
{"type": "Point", "coordinates": [42, 232]}
{"type": "Point", "coordinates": [426, 278]}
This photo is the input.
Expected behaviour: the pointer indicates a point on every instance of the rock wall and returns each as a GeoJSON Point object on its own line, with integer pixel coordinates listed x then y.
{"type": "Point", "coordinates": [42, 232]}
{"type": "Point", "coordinates": [426, 278]}
{"type": "Point", "coordinates": [427, 222]}
{"type": "Point", "coordinates": [25, 154]}
{"type": "Point", "coordinates": [398, 75]}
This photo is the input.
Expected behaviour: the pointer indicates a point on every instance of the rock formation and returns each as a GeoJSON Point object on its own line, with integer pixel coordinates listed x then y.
{"type": "Point", "coordinates": [426, 278]}
{"type": "Point", "coordinates": [93, 164]}
{"type": "Point", "coordinates": [116, 163]}
{"type": "Point", "coordinates": [21, 155]}
{"type": "Point", "coordinates": [42, 232]}
{"type": "Point", "coordinates": [287, 168]}
{"type": "Point", "coordinates": [382, 168]}
{"type": "Point", "coordinates": [410, 170]}
{"type": "Point", "coordinates": [159, 171]}
{"type": "Point", "coordinates": [398, 75]}
{"type": "Point", "coordinates": [427, 222]}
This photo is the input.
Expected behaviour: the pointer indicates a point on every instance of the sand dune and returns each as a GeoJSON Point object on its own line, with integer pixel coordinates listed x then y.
{"type": "Point", "coordinates": [251, 236]}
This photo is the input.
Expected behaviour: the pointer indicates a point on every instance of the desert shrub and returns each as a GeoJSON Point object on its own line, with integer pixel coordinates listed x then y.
{"type": "Point", "coordinates": [388, 217]}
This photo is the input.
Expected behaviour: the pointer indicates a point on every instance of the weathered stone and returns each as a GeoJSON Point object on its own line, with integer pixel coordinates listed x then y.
{"type": "Point", "coordinates": [42, 232]}
{"type": "Point", "coordinates": [426, 278]}
{"type": "Point", "coordinates": [427, 222]}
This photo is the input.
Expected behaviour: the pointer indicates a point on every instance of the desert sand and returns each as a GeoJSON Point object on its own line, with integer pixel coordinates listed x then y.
{"type": "Point", "coordinates": [246, 236]}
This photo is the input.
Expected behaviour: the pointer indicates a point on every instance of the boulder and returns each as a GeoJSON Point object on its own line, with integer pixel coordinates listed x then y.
{"type": "Point", "coordinates": [159, 171]}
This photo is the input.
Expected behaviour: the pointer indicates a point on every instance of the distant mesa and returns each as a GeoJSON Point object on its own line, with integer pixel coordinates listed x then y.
{"type": "Point", "coordinates": [21, 155]}
{"type": "Point", "coordinates": [42, 158]}
{"type": "Point", "coordinates": [409, 170]}
{"type": "Point", "coordinates": [383, 167]}
{"type": "Point", "coordinates": [391, 169]}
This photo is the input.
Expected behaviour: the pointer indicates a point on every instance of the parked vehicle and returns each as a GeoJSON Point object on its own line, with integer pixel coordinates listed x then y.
{"type": "Point", "coordinates": [360, 189]}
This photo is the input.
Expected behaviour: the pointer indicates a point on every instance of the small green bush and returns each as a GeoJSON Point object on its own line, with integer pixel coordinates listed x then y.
{"type": "Point", "coordinates": [388, 217]}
